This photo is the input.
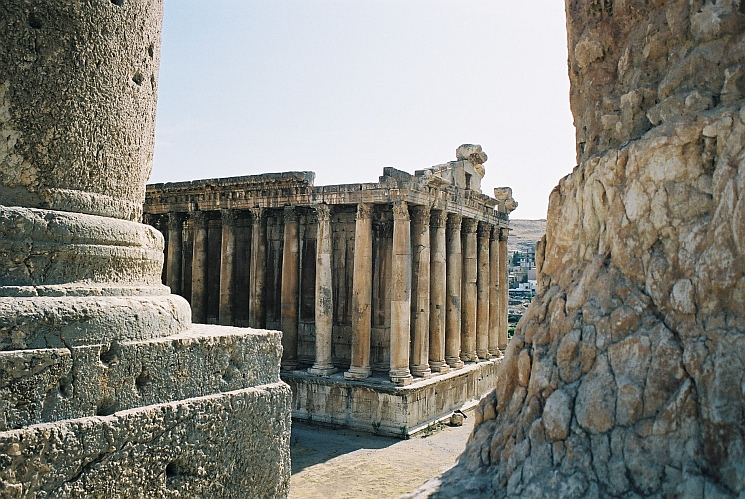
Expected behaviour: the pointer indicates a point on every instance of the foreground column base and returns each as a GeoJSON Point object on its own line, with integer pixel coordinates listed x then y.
{"type": "Point", "coordinates": [357, 373]}
{"type": "Point", "coordinates": [439, 366]}
{"type": "Point", "coordinates": [454, 362]}
{"type": "Point", "coordinates": [322, 370]}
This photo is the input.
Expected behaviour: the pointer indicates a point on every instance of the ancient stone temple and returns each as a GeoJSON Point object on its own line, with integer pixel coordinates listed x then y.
{"type": "Point", "coordinates": [106, 388]}
{"type": "Point", "coordinates": [625, 377]}
{"type": "Point", "coordinates": [383, 291]}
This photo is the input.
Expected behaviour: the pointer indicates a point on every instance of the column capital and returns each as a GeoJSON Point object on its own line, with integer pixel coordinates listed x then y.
{"type": "Point", "coordinates": [503, 233]}
{"type": "Point", "coordinates": [199, 218]}
{"type": "Point", "coordinates": [257, 214]}
{"type": "Point", "coordinates": [484, 230]}
{"type": "Point", "coordinates": [364, 211]}
{"type": "Point", "coordinates": [438, 218]}
{"type": "Point", "coordinates": [228, 216]}
{"type": "Point", "coordinates": [289, 213]}
{"type": "Point", "coordinates": [323, 211]}
{"type": "Point", "coordinates": [454, 221]}
{"type": "Point", "coordinates": [494, 235]}
{"type": "Point", "coordinates": [420, 215]}
{"type": "Point", "coordinates": [469, 225]}
{"type": "Point", "coordinates": [400, 210]}
{"type": "Point", "coordinates": [175, 220]}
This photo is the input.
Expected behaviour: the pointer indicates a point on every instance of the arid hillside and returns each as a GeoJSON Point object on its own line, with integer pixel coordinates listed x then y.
{"type": "Point", "coordinates": [524, 234]}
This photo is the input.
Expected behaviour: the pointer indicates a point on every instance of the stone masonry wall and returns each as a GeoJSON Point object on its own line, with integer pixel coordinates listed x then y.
{"type": "Point", "coordinates": [625, 377]}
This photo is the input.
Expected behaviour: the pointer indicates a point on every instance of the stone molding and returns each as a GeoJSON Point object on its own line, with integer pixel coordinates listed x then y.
{"type": "Point", "coordinates": [420, 215]}
{"type": "Point", "coordinates": [469, 225]}
{"type": "Point", "coordinates": [454, 222]}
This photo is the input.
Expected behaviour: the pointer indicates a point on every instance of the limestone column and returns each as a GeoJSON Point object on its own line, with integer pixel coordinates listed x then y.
{"type": "Point", "coordinates": [199, 267]}
{"type": "Point", "coordinates": [437, 293]}
{"type": "Point", "coordinates": [290, 289]}
{"type": "Point", "coordinates": [482, 290]}
{"type": "Point", "coordinates": [420, 297]}
{"type": "Point", "coordinates": [469, 292]}
{"type": "Point", "coordinates": [227, 270]}
{"type": "Point", "coordinates": [256, 312]}
{"type": "Point", "coordinates": [493, 292]}
{"type": "Point", "coordinates": [503, 294]}
{"type": "Point", "coordinates": [453, 286]}
{"type": "Point", "coordinates": [361, 295]}
{"type": "Point", "coordinates": [324, 294]}
{"type": "Point", "coordinates": [173, 259]}
{"type": "Point", "coordinates": [400, 295]}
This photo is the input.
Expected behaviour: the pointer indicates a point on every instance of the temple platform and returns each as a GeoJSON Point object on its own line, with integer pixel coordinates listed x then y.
{"type": "Point", "coordinates": [377, 406]}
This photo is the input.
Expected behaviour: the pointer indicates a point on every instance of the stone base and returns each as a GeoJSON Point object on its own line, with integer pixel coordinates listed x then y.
{"type": "Point", "coordinates": [198, 414]}
{"type": "Point", "coordinates": [376, 405]}
{"type": "Point", "coordinates": [229, 445]}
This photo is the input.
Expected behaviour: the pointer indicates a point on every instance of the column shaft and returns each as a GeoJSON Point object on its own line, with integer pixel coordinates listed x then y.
{"type": "Point", "coordinates": [503, 289]}
{"type": "Point", "coordinates": [437, 293]}
{"type": "Point", "coordinates": [290, 289]}
{"type": "Point", "coordinates": [420, 296]}
{"type": "Point", "coordinates": [482, 290]}
{"type": "Point", "coordinates": [469, 292]}
{"type": "Point", "coordinates": [173, 258]}
{"type": "Point", "coordinates": [227, 267]}
{"type": "Point", "coordinates": [493, 292]}
{"type": "Point", "coordinates": [361, 295]}
{"type": "Point", "coordinates": [199, 268]}
{"type": "Point", "coordinates": [400, 295]}
{"type": "Point", "coordinates": [256, 311]}
{"type": "Point", "coordinates": [453, 286]}
{"type": "Point", "coordinates": [324, 294]}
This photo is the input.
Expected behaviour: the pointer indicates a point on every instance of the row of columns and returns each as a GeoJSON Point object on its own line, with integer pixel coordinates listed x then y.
{"type": "Point", "coordinates": [448, 287]}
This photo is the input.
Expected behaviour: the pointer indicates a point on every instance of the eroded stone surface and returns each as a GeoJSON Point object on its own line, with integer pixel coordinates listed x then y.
{"type": "Point", "coordinates": [624, 379]}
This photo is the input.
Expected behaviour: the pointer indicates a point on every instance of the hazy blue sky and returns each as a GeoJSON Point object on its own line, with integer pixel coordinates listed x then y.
{"type": "Point", "coordinates": [344, 88]}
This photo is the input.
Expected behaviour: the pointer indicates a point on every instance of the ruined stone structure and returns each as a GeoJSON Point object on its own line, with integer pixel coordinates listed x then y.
{"type": "Point", "coordinates": [106, 388]}
{"type": "Point", "coordinates": [625, 378]}
{"type": "Point", "coordinates": [404, 278]}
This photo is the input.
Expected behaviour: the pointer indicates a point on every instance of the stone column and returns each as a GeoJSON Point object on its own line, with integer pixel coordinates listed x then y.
{"type": "Point", "coordinates": [469, 294]}
{"type": "Point", "coordinates": [361, 295]}
{"type": "Point", "coordinates": [420, 301]}
{"type": "Point", "coordinates": [290, 289]}
{"type": "Point", "coordinates": [453, 286]}
{"type": "Point", "coordinates": [227, 267]}
{"type": "Point", "coordinates": [256, 312]}
{"type": "Point", "coordinates": [493, 292]}
{"type": "Point", "coordinates": [199, 267]}
{"type": "Point", "coordinates": [437, 293]}
{"type": "Point", "coordinates": [173, 259]}
{"type": "Point", "coordinates": [324, 294]}
{"type": "Point", "coordinates": [482, 290]}
{"type": "Point", "coordinates": [503, 294]}
{"type": "Point", "coordinates": [400, 295]}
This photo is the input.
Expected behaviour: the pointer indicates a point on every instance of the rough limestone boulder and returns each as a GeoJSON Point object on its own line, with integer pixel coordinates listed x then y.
{"type": "Point", "coordinates": [626, 376]}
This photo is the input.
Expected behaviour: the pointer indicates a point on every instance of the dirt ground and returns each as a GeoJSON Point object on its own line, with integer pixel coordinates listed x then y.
{"type": "Point", "coordinates": [341, 464]}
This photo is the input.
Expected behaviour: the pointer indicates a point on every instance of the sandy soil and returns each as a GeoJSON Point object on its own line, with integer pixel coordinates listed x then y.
{"type": "Point", "coordinates": [331, 464]}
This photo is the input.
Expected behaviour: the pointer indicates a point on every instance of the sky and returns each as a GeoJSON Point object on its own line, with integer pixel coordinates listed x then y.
{"type": "Point", "coordinates": [344, 88]}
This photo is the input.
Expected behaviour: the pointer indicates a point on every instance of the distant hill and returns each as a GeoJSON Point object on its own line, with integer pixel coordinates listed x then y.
{"type": "Point", "coordinates": [524, 234]}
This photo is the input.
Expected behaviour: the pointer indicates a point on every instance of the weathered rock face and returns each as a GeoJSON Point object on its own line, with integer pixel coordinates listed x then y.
{"type": "Point", "coordinates": [625, 378]}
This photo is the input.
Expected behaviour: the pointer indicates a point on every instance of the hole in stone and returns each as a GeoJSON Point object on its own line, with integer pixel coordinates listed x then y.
{"type": "Point", "coordinates": [109, 355]}
{"type": "Point", "coordinates": [176, 473]}
{"type": "Point", "coordinates": [34, 21]}
{"type": "Point", "coordinates": [152, 81]}
{"type": "Point", "coordinates": [150, 50]}
{"type": "Point", "coordinates": [118, 3]}
{"type": "Point", "coordinates": [107, 407]}
{"type": "Point", "coordinates": [142, 381]}
{"type": "Point", "coordinates": [65, 388]}
{"type": "Point", "coordinates": [137, 78]}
